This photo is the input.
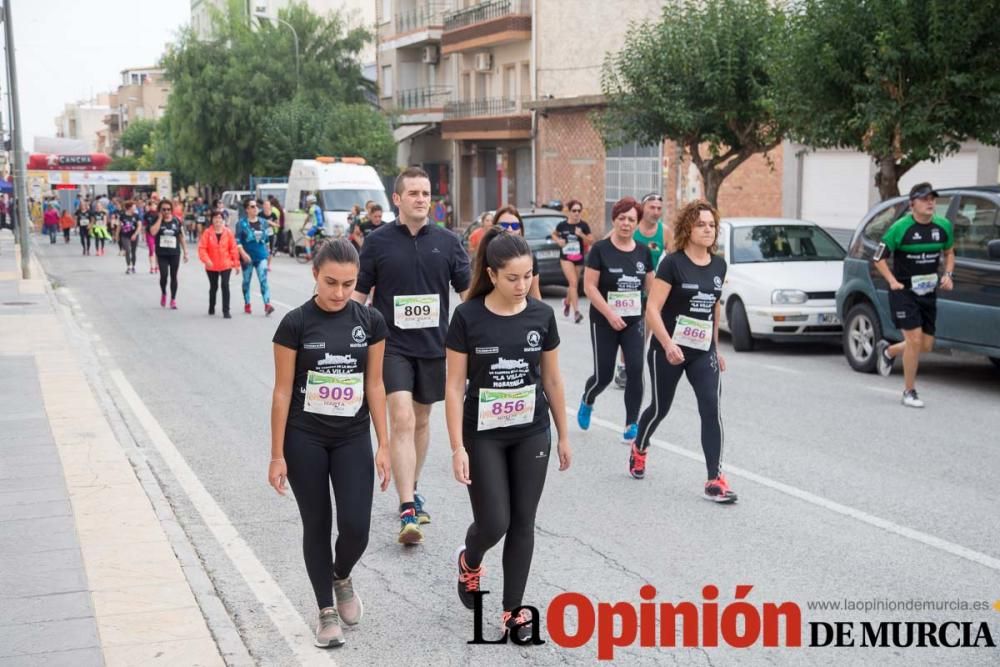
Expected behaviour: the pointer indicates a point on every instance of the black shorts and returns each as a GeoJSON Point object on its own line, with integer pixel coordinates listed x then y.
{"type": "Point", "coordinates": [912, 311]}
{"type": "Point", "coordinates": [424, 378]}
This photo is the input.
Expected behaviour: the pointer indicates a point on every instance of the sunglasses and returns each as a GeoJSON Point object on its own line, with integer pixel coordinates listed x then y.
{"type": "Point", "coordinates": [251, 205]}
{"type": "Point", "coordinates": [512, 226]}
{"type": "Point", "coordinates": [651, 198]}
{"type": "Point", "coordinates": [575, 210]}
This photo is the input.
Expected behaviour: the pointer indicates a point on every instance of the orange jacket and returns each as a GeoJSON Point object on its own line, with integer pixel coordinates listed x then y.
{"type": "Point", "coordinates": [67, 221]}
{"type": "Point", "coordinates": [218, 254]}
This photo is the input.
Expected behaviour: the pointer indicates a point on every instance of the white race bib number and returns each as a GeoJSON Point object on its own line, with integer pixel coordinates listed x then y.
{"type": "Point", "coordinates": [924, 284]}
{"type": "Point", "coordinates": [693, 333]}
{"type": "Point", "coordinates": [334, 395]}
{"type": "Point", "coordinates": [168, 241]}
{"type": "Point", "coordinates": [626, 304]}
{"type": "Point", "coordinates": [84, 222]}
{"type": "Point", "coordinates": [417, 311]}
{"type": "Point", "coordinates": [500, 408]}
{"type": "Point", "coordinates": [200, 219]}
{"type": "Point", "coordinates": [572, 249]}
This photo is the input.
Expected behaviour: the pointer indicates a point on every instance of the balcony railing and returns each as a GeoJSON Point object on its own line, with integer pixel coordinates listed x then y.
{"type": "Point", "coordinates": [430, 97]}
{"type": "Point", "coordinates": [485, 12]}
{"type": "Point", "coordinates": [423, 15]}
{"type": "Point", "coordinates": [497, 106]}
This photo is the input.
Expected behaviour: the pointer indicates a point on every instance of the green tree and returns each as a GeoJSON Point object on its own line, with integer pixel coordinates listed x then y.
{"type": "Point", "coordinates": [900, 80]}
{"type": "Point", "coordinates": [137, 135]}
{"type": "Point", "coordinates": [701, 76]}
{"type": "Point", "coordinates": [228, 90]}
{"type": "Point", "coordinates": [124, 163]}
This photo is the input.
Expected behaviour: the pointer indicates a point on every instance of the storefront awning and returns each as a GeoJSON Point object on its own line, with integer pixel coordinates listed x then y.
{"type": "Point", "coordinates": [404, 132]}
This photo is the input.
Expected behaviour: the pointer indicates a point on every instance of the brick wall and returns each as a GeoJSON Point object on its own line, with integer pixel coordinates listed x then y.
{"type": "Point", "coordinates": [570, 163]}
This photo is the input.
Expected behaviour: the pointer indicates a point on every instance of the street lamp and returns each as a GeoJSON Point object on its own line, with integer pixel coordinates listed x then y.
{"type": "Point", "coordinates": [261, 14]}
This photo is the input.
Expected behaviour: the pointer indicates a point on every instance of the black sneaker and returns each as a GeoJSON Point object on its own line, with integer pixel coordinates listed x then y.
{"type": "Point", "coordinates": [884, 361]}
{"type": "Point", "coordinates": [468, 579]}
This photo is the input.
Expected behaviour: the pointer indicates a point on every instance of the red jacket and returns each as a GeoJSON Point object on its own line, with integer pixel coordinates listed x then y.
{"type": "Point", "coordinates": [218, 254]}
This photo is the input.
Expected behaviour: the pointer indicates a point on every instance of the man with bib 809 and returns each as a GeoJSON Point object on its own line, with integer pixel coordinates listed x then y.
{"type": "Point", "coordinates": [410, 263]}
{"type": "Point", "coordinates": [683, 315]}
{"type": "Point", "coordinates": [917, 241]}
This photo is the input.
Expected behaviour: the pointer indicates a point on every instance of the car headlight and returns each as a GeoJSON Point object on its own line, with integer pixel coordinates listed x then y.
{"type": "Point", "coordinates": [786, 296]}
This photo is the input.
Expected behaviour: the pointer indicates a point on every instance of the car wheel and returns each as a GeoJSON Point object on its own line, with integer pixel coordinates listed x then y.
{"type": "Point", "coordinates": [996, 362]}
{"type": "Point", "coordinates": [862, 331]}
{"type": "Point", "coordinates": [739, 327]}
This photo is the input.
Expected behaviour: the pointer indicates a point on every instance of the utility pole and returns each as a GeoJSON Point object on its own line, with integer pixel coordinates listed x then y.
{"type": "Point", "coordinates": [20, 175]}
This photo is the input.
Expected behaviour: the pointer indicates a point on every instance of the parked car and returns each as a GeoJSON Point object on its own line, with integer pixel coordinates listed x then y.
{"type": "Point", "coordinates": [781, 281]}
{"type": "Point", "coordinates": [968, 317]}
{"type": "Point", "coordinates": [233, 200]}
{"type": "Point", "coordinates": [538, 226]}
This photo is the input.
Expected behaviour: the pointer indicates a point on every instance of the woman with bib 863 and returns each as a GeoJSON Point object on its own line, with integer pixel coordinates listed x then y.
{"type": "Point", "coordinates": [617, 278]}
{"type": "Point", "coordinates": [327, 393]}
{"type": "Point", "coordinates": [503, 377]}
{"type": "Point", "coordinates": [683, 316]}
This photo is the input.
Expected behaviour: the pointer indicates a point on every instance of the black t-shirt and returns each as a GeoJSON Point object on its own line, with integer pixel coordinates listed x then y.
{"type": "Point", "coordinates": [168, 238]}
{"type": "Point", "coordinates": [398, 264]}
{"type": "Point", "coordinates": [620, 272]}
{"type": "Point", "coordinates": [130, 222]}
{"type": "Point", "coordinates": [573, 250]}
{"type": "Point", "coordinates": [83, 218]}
{"type": "Point", "coordinates": [150, 218]}
{"type": "Point", "coordinates": [694, 290]}
{"type": "Point", "coordinates": [504, 352]}
{"type": "Point", "coordinates": [367, 227]}
{"type": "Point", "coordinates": [329, 344]}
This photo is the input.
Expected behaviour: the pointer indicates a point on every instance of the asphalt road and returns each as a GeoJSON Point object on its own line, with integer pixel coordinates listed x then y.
{"type": "Point", "coordinates": [844, 493]}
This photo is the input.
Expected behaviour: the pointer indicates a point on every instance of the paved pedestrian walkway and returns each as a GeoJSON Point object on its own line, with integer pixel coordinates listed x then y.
{"type": "Point", "coordinates": [87, 574]}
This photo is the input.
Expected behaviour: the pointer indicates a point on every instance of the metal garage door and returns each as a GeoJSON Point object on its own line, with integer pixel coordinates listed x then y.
{"type": "Point", "coordinates": [955, 171]}
{"type": "Point", "coordinates": [835, 188]}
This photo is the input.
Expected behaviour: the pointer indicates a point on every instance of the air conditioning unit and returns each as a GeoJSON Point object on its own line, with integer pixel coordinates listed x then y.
{"type": "Point", "coordinates": [484, 62]}
{"type": "Point", "coordinates": [431, 55]}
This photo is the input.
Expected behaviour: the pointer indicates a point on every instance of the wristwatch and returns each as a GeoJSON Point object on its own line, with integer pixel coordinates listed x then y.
{"type": "Point", "coordinates": [947, 274]}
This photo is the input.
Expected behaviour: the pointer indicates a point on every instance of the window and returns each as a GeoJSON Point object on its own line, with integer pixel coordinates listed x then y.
{"type": "Point", "coordinates": [631, 170]}
{"type": "Point", "coordinates": [877, 226]}
{"type": "Point", "coordinates": [525, 81]}
{"type": "Point", "coordinates": [466, 87]}
{"type": "Point", "coordinates": [387, 81]}
{"type": "Point", "coordinates": [386, 14]}
{"type": "Point", "coordinates": [783, 243]}
{"type": "Point", "coordinates": [510, 82]}
{"type": "Point", "coordinates": [975, 226]}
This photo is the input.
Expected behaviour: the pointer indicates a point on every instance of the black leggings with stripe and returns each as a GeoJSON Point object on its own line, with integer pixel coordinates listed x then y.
{"type": "Point", "coordinates": [605, 342]}
{"type": "Point", "coordinates": [702, 369]}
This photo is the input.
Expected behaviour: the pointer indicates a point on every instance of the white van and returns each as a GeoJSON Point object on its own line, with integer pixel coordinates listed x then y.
{"type": "Point", "coordinates": [278, 190]}
{"type": "Point", "coordinates": [339, 184]}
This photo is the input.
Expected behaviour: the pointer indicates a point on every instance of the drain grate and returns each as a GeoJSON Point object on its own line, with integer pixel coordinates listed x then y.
{"type": "Point", "coordinates": [19, 303]}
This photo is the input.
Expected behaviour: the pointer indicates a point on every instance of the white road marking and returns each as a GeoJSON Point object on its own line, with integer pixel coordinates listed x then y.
{"type": "Point", "coordinates": [737, 361]}
{"type": "Point", "coordinates": [884, 390]}
{"type": "Point", "coordinates": [819, 501]}
{"type": "Point", "coordinates": [273, 600]}
{"type": "Point", "coordinates": [281, 304]}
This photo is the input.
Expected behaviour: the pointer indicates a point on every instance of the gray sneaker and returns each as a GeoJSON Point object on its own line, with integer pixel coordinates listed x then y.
{"type": "Point", "coordinates": [883, 360]}
{"type": "Point", "coordinates": [349, 605]}
{"type": "Point", "coordinates": [328, 631]}
{"type": "Point", "coordinates": [911, 400]}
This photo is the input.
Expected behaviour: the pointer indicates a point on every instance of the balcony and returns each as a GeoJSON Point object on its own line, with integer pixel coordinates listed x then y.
{"type": "Point", "coordinates": [485, 25]}
{"type": "Point", "coordinates": [416, 26]}
{"type": "Point", "coordinates": [422, 99]}
{"type": "Point", "coordinates": [483, 119]}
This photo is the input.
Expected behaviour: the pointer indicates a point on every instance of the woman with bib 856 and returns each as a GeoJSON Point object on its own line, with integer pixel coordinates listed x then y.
{"type": "Point", "coordinates": [503, 377]}
{"type": "Point", "coordinates": [683, 316]}
{"type": "Point", "coordinates": [328, 391]}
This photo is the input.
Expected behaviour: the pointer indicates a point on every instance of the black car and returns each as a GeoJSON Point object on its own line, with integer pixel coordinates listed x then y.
{"type": "Point", "coordinates": [538, 226]}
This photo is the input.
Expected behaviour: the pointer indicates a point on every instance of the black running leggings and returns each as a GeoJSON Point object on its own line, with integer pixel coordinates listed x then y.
{"type": "Point", "coordinates": [605, 342]}
{"type": "Point", "coordinates": [702, 369]}
{"type": "Point", "coordinates": [99, 243]}
{"type": "Point", "coordinates": [130, 246]}
{"type": "Point", "coordinates": [169, 263]}
{"type": "Point", "coordinates": [314, 461]}
{"type": "Point", "coordinates": [507, 480]}
{"type": "Point", "coordinates": [213, 288]}
{"type": "Point", "coordinates": [85, 238]}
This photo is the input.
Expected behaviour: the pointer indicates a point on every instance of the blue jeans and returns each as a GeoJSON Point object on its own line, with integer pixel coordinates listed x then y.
{"type": "Point", "coordinates": [261, 269]}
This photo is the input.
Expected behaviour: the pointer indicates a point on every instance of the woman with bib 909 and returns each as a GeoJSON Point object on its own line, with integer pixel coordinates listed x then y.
{"type": "Point", "coordinates": [327, 392]}
{"type": "Point", "coordinates": [503, 343]}
{"type": "Point", "coordinates": [683, 316]}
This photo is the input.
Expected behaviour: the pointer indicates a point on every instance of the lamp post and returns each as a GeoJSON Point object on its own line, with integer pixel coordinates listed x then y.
{"type": "Point", "coordinates": [17, 133]}
{"type": "Point", "coordinates": [261, 14]}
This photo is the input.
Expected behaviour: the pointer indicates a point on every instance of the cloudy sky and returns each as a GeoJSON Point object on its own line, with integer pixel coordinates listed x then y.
{"type": "Point", "coordinates": [69, 50]}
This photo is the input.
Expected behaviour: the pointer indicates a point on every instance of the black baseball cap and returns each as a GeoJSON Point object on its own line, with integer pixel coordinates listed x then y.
{"type": "Point", "coordinates": [921, 190]}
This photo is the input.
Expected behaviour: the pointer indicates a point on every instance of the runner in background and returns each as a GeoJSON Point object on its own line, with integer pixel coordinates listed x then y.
{"type": "Point", "coordinates": [149, 219]}
{"type": "Point", "coordinates": [83, 224]}
{"type": "Point", "coordinates": [170, 245]}
{"type": "Point", "coordinates": [66, 223]}
{"type": "Point", "coordinates": [252, 235]}
{"type": "Point", "coordinates": [128, 234]}
{"type": "Point", "coordinates": [328, 393]}
{"type": "Point", "coordinates": [99, 229]}
{"type": "Point", "coordinates": [217, 251]}
{"type": "Point", "coordinates": [503, 380]}
{"type": "Point", "coordinates": [573, 237]}
{"type": "Point", "coordinates": [509, 219]}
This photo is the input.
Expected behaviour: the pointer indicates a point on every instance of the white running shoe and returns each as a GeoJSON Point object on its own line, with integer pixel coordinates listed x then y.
{"type": "Point", "coordinates": [911, 400]}
{"type": "Point", "coordinates": [884, 361]}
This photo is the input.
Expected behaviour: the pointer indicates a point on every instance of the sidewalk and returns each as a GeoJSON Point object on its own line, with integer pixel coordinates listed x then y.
{"type": "Point", "coordinates": [87, 574]}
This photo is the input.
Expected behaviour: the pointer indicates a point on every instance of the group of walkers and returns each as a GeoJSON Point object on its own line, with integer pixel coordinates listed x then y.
{"type": "Point", "coordinates": [342, 367]}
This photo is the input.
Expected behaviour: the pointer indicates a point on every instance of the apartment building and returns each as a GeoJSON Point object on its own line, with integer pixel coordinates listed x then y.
{"type": "Point", "coordinates": [84, 121]}
{"type": "Point", "coordinates": [142, 94]}
{"type": "Point", "coordinates": [456, 75]}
